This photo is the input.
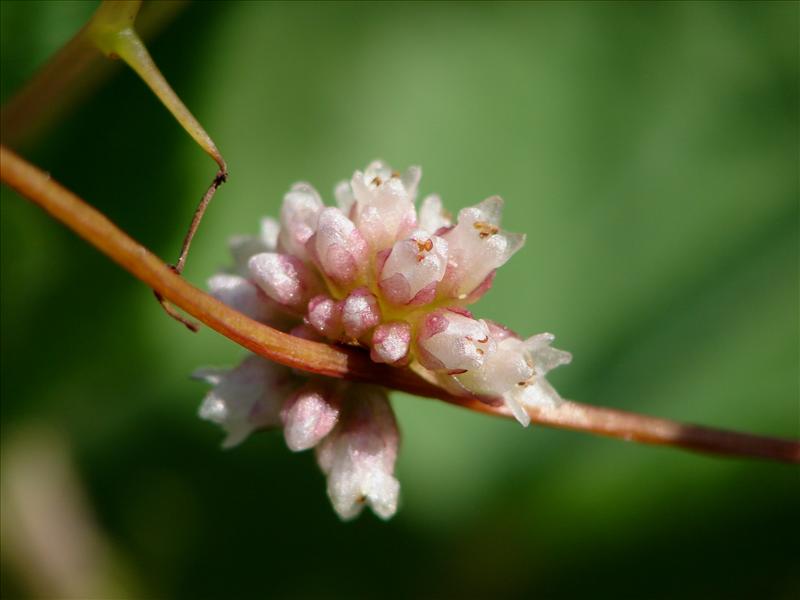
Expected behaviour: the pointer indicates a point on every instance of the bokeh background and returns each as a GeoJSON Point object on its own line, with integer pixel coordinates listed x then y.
{"type": "Point", "coordinates": [650, 151]}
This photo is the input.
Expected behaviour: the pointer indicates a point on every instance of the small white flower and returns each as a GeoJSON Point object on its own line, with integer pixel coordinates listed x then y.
{"type": "Point", "coordinates": [246, 398]}
{"type": "Point", "coordinates": [477, 246]}
{"type": "Point", "coordinates": [454, 342]}
{"type": "Point", "coordinates": [432, 216]}
{"type": "Point", "coordinates": [414, 265]}
{"type": "Point", "coordinates": [516, 372]}
{"type": "Point", "coordinates": [359, 455]}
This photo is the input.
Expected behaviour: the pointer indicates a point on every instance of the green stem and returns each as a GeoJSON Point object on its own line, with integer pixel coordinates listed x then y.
{"type": "Point", "coordinates": [111, 30]}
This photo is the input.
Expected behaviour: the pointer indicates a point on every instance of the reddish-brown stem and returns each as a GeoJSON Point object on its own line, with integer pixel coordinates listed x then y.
{"type": "Point", "coordinates": [335, 361]}
{"type": "Point", "coordinates": [220, 178]}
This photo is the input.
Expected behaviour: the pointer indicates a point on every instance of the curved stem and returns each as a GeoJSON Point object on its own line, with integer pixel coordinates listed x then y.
{"type": "Point", "coordinates": [350, 363]}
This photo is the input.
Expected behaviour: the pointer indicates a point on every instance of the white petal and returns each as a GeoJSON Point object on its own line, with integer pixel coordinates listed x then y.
{"type": "Point", "coordinates": [412, 265]}
{"type": "Point", "coordinates": [242, 295]}
{"type": "Point", "coordinates": [344, 196]}
{"type": "Point", "coordinates": [246, 398]}
{"type": "Point", "coordinates": [541, 394]}
{"type": "Point", "coordinates": [270, 229]}
{"type": "Point", "coordinates": [284, 278]}
{"type": "Point", "coordinates": [359, 455]}
{"type": "Point", "coordinates": [308, 416]}
{"type": "Point", "coordinates": [544, 357]}
{"type": "Point", "coordinates": [431, 214]}
{"type": "Point", "coordinates": [242, 247]}
{"type": "Point", "coordinates": [451, 341]}
{"type": "Point", "coordinates": [477, 246]}
{"type": "Point", "coordinates": [384, 207]}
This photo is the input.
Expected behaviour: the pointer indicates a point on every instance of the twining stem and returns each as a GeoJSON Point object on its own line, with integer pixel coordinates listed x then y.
{"type": "Point", "coordinates": [350, 363]}
{"type": "Point", "coordinates": [110, 31]}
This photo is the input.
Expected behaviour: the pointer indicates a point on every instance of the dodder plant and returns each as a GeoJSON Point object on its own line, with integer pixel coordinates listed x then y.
{"type": "Point", "coordinates": [364, 297]}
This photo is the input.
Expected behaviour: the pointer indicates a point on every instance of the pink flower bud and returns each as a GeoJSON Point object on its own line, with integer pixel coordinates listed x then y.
{"type": "Point", "coordinates": [309, 415]}
{"type": "Point", "coordinates": [325, 315]}
{"type": "Point", "coordinates": [360, 313]}
{"type": "Point", "coordinates": [284, 278]}
{"type": "Point", "coordinates": [413, 265]}
{"type": "Point", "coordinates": [390, 343]}
{"type": "Point", "coordinates": [242, 295]}
{"type": "Point", "coordinates": [383, 207]}
{"type": "Point", "coordinates": [477, 246]}
{"type": "Point", "coordinates": [451, 341]}
{"type": "Point", "coordinates": [299, 215]}
{"type": "Point", "coordinates": [358, 456]}
{"type": "Point", "coordinates": [338, 247]}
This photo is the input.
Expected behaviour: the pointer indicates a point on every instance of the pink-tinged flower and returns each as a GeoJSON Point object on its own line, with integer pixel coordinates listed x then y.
{"type": "Point", "coordinates": [454, 342]}
{"type": "Point", "coordinates": [242, 247]}
{"type": "Point", "coordinates": [246, 398]}
{"type": "Point", "coordinates": [477, 246]}
{"type": "Point", "coordinates": [382, 203]}
{"type": "Point", "coordinates": [284, 278]}
{"type": "Point", "coordinates": [299, 215]}
{"type": "Point", "coordinates": [338, 247]}
{"type": "Point", "coordinates": [516, 372]}
{"type": "Point", "coordinates": [413, 268]}
{"type": "Point", "coordinates": [360, 313]}
{"type": "Point", "coordinates": [325, 316]}
{"type": "Point", "coordinates": [309, 415]}
{"type": "Point", "coordinates": [358, 456]}
{"type": "Point", "coordinates": [370, 273]}
{"type": "Point", "coordinates": [390, 343]}
{"type": "Point", "coordinates": [243, 295]}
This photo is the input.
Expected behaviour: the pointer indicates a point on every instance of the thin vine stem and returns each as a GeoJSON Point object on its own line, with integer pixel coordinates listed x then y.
{"type": "Point", "coordinates": [350, 363]}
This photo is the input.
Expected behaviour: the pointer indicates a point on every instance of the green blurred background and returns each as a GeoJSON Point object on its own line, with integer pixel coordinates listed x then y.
{"type": "Point", "coordinates": [650, 151]}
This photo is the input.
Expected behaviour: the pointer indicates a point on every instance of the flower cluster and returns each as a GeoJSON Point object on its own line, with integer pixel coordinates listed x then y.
{"type": "Point", "coordinates": [373, 272]}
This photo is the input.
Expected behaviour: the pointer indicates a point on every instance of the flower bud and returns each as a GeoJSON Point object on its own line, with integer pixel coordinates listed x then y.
{"type": "Point", "coordinates": [360, 313]}
{"type": "Point", "coordinates": [299, 215]}
{"type": "Point", "coordinates": [284, 278]}
{"type": "Point", "coordinates": [338, 247]}
{"type": "Point", "coordinates": [325, 315]}
{"type": "Point", "coordinates": [309, 415]}
{"type": "Point", "coordinates": [390, 343]}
